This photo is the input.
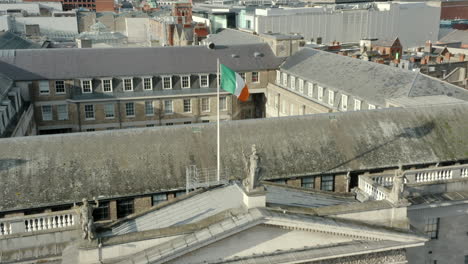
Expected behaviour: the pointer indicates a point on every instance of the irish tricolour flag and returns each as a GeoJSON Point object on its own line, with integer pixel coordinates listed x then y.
{"type": "Point", "coordinates": [232, 82]}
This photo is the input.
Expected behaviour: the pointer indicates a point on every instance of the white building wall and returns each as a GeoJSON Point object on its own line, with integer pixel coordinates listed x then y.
{"type": "Point", "coordinates": [413, 23]}
{"type": "Point", "coordinates": [137, 29]}
{"type": "Point", "coordinates": [451, 246]}
{"type": "Point", "coordinates": [48, 25]}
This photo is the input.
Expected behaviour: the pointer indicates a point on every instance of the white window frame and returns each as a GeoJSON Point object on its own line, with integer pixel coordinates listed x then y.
{"type": "Point", "coordinates": [310, 89]}
{"type": "Point", "coordinates": [48, 116]}
{"type": "Point", "coordinates": [124, 86]}
{"type": "Point", "coordinates": [113, 111]}
{"type": "Point", "coordinates": [258, 77]}
{"type": "Point", "coordinates": [62, 115]}
{"type": "Point", "coordinates": [44, 84]}
{"type": "Point", "coordinates": [320, 93]}
{"type": "Point", "coordinates": [166, 112]}
{"type": "Point", "coordinates": [182, 81]}
{"type": "Point", "coordinates": [126, 112]}
{"type": "Point", "coordinates": [371, 107]}
{"type": "Point", "coordinates": [292, 83]}
{"type": "Point", "coordinates": [301, 86]}
{"type": "Point", "coordinates": [94, 112]}
{"type": "Point", "coordinates": [64, 87]}
{"type": "Point", "coordinates": [357, 105]}
{"type": "Point", "coordinates": [344, 102]}
{"type": "Point", "coordinates": [170, 82]}
{"type": "Point", "coordinates": [150, 78]}
{"type": "Point", "coordinates": [285, 79]}
{"type": "Point", "coordinates": [190, 105]}
{"type": "Point", "coordinates": [103, 85]}
{"type": "Point", "coordinates": [207, 76]}
{"type": "Point", "coordinates": [223, 106]}
{"type": "Point", "coordinates": [278, 77]}
{"type": "Point", "coordinates": [208, 104]}
{"type": "Point", "coordinates": [90, 85]}
{"type": "Point", "coordinates": [152, 108]}
{"type": "Point", "coordinates": [331, 97]}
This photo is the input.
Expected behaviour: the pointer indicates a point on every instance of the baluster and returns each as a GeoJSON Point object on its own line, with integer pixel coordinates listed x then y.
{"type": "Point", "coordinates": [60, 219]}
{"type": "Point", "coordinates": [72, 217]}
{"type": "Point", "coordinates": [450, 174]}
{"type": "Point", "coordinates": [9, 231]}
{"type": "Point", "coordinates": [66, 220]}
{"type": "Point", "coordinates": [2, 226]}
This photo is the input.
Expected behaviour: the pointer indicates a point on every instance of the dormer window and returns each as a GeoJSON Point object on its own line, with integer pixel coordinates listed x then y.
{"type": "Point", "coordinates": [331, 98]}
{"type": "Point", "coordinates": [357, 105]}
{"type": "Point", "coordinates": [185, 81]}
{"type": "Point", "coordinates": [293, 82]}
{"type": "Point", "coordinates": [204, 80]}
{"type": "Point", "coordinates": [344, 102]}
{"type": "Point", "coordinates": [167, 82]}
{"type": "Point", "coordinates": [301, 86]}
{"type": "Point", "coordinates": [320, 93]}
{"type": "Point", "coordinates": [107, 85]}
{"type": "Point", "coordinates": [127, 84]}
{"type": "Point", "coordinates": [86, 86]}
{"type": "Point", "coordinates": [147, 83]}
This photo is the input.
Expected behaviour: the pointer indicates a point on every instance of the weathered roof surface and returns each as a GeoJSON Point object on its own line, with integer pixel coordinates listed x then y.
{"type": "Point", "coordinates": [44, 170]}
{"type": "Point", "coordinates": [456, 35]}
{"type": "Point", "coordinates": [279, 194]}
{"type": "Point", "coordinates": [5, 85]}
{"type": "Point", "coordinates": [232, 37]}
{"type": "Point", "coordinates": [373, 82]}
{"type": "Point", "coordinates": [438, 198]}
{"type": "Point", "coordinates": [9, 40]}
{"type": "Point", "coordinates": [85, 63]}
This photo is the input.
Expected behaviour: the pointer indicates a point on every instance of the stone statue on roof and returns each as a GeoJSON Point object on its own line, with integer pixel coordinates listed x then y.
{"type": "Point", "coordinates": [396, 194]}
{"type": "Point", "coordinates": [251, 182]}
{"type": "Point", "coordinates": [86, 218]}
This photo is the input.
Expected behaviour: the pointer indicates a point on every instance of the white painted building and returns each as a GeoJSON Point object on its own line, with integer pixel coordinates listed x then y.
{"type": "Point", "coordinates": [412, 22]}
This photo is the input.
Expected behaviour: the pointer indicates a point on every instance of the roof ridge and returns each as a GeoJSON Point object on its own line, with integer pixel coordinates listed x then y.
{"type": "Point", "coordinates": [412, 84]}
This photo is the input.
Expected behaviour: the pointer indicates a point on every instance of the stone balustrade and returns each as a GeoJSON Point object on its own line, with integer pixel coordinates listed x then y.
{"type": "Point", "coordinates": [38, 222]}
{"type": "Point", "coordinates": [373, 189]}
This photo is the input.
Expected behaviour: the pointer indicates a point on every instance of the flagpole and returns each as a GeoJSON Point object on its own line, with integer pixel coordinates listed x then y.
{"type": "Point", "coordinates": [217, 123]}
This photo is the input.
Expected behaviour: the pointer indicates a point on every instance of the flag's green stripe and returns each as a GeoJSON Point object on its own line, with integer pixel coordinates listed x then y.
{"type": "Point", "coordinates": [228, 79]}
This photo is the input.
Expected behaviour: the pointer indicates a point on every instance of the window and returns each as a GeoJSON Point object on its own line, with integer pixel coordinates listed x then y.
{"type": "Point", "coordinates": [43, 87]}
{"type": "Point", "coordinates": [204, 81]}
{"type": "Point", "coordinates": [223, 103]}
{"type": "Point", "coordinates": [130, 109]}
{"type": "Point", "coordinates": [90, 130]}
{"type": "Point", "coordinates": [187, 122]}
{"type": "Point", "coordinates": [357, 105]}
{"type": "Point", "coordinates": [124, 207]}
{"type": "Point", "coordinates": [62, 111]}
{"type": "Point", "coordinates": [320, 93]}
{"type": "Point", "coordinates": [283, 107]}
{"type": "Point", "coordinates": [169, 124]}
{"type": "Point", "coordinates": [59, 87]}
{"type": "Point", "coordinates": [327, 183]}
{"type": "Point", "coordinates": [149, 125]}
{"type": "Point", "coordinates": [89, 112]}
{"type": "Point", "coordinates": [308, 182]}
{"type": "Point", "coordinates": [293, 83]}
{"type": "Point", "coordinates": [86, 86]}
{"type": "Point", "coordinates": [301, 86]}
{"type": "Point", "coordinates": [310, 89]}
{"type": "Point", "coordinates": [291, 109]}
{"type": "Point", "coordinates": [432, 227]}
{"type": "Point", "coordinates": [168, 107]}
{"type": "Point", "coordinates": [371, 106]}
{"type": "Point", "coordinates": [128, 84]}
{"type": "Point", "coordinates": [149, 108]}
{"type": "Point", "coordinates": [106, 85]}
{"type": "Point", "coordinates": [46, 112]}
{"type": "Point", "coordinates": [242, 75]}
{"type": "Point", "coordinates": [255, 77]}
{"type": "Point", "coordinates": [331, 97]}
{"type": "Point", "coordinates": [102, 212]}
{"type": "Point", "coordinates": [158, 198]}
{"type": "Point", "coordinates": [185, 81]}
{"type": "Point", "coordinates": [187, 105]}
{"type": "Point", "coordinates": [167, 82]}
{"type": "Point", "coordinates": [344, 102]}
{"type": "Point", "coordinates": [278, 77]}
{"type": "Point", "coordinates": [148, 83]}
{"type": "Point", "coordinates": [109, 111]}
{"type": "Point", "coordinates": [205, 104]}
{"type": "Point", "coordinates": [285, 79]}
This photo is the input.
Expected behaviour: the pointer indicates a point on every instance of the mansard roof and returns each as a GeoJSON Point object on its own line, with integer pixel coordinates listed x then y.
{"type": "Point", "coordinates": [86, 63]}
{"type": "Point", "coordinates": [366, 80]}
{"type": "Point", "coordinates": [56, 169]}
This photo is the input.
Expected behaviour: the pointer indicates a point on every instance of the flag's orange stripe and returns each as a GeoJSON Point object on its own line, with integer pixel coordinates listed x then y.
{"type": "Point", "coordinates": [244, 95]}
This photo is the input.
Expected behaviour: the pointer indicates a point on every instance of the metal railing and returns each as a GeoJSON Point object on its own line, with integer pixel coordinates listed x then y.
{"type": "Point", "coordinates": [202, 178]}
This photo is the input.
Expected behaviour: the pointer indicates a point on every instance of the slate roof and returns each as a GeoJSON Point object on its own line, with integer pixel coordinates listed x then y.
{"type": "Point", "coordinates": [456, 35]}
{"type": "Point", "coordinates": [57, 169]}
{"type": "Point", "coordinates": [432, 199]}
{"type": "Point", "coordinates": [5, 85]}
{"type": "Point", "coordinates": [370, 81]}
{"type": "Point", "coordinates": [86, 63]}
{"type": "Point", "coordinates": [9, 40]}
{"type": "Point", "coordinates": [232, 37]}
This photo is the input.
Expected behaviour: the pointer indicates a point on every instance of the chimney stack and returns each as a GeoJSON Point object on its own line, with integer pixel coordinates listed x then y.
{"type": "Point", "coordinates": [447, 56]}
{"type": "Point", "coordinates": [462, 57]}
{"type": "Point", "coordinates": [440, 59]}
{"type": "Point", "coordinates": [428, 47]}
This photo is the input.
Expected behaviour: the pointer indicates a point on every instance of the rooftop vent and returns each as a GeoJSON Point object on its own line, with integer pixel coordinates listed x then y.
{"type": "Point", "coordinates": [234, 55]}
{"type": "Point", "coordinates": [258, 54]}
{"type": "Point", "coordinates": [211, 45]}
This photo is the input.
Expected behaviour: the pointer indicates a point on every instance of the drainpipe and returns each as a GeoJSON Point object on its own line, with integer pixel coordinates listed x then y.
{"type": "Point", "coordinates": [79, 116]}
{"type": "Point", "coordinates": [120, 114]}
